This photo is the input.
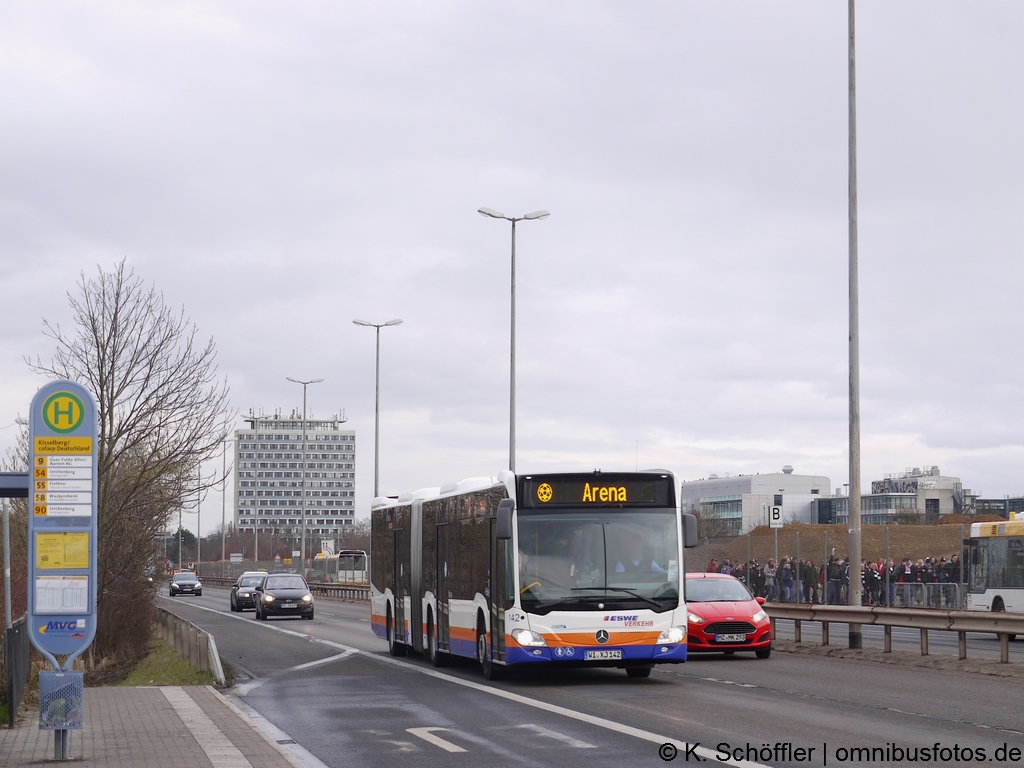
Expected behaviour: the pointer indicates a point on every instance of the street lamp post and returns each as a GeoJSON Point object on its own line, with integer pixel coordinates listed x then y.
{"type": "Point", "coordinates": [224, 508]}
{"type": "Point", "coordinates": [376, 404]}
{"type": "Point", "coordinates": [302, 549]}
{"type": "Point", "coordinates": [512, 364]}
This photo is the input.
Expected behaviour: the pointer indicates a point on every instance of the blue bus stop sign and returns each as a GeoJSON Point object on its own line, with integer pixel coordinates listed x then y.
{"type": "Point", "coordinates": [62, 521]}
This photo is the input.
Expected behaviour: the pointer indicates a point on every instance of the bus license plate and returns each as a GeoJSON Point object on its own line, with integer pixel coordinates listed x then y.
{"type": "Point", "coordinates": [602, 655]}
{"type": "Point", "coordinates": [730, 638]}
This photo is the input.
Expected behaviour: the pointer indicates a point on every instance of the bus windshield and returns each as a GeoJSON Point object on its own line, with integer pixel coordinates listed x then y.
{"type": "Point", "coordinates": [618, 559]}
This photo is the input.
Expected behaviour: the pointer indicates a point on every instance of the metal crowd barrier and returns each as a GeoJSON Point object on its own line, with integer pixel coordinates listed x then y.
{"type": "Point", "coordinates": [194, 644]}
{"type": "Point", "coordinates": [17, 651]}
{"type": "Point", "coordinates": [1002, 624]}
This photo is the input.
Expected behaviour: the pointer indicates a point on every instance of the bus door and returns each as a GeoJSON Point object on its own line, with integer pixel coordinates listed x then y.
{"type": "Point", "coordinates": [499, 589]}
{"type": "Point", "coordinates": [443, 591]}
{"type": "Point", "coordinates": [401, 584]}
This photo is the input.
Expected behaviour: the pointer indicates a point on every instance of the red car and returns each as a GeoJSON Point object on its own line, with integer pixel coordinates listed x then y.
{"type": "Point", "coordinates": [725, 617]}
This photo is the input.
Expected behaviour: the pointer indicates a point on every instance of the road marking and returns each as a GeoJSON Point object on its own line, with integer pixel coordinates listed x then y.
{"type": "Point", "coordinates": [600, 722]}
{"type": "Point", "coordinates": [564, 738]}
{"type": "Point", "coordinates": [427, 735]}
{"type": "Point", "coordinates": [265, 625]}
{"type": "Point", "coordinates": [318, 662]}
{"type": "Point", "coordinates": [218, 747]}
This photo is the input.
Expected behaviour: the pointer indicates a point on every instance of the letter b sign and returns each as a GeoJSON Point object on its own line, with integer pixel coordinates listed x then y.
{"type": "Point", "coordinates": [774, 517]}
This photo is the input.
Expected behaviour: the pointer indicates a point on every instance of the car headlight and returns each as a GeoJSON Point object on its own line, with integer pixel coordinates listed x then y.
{"type": "Point", "coordinates": [245, 594]}
{"type": "Point", "coordinates": [693, 618]}
{"type": "Point", "coordinates": [307, 598]}
{"type": "Point", "coordinates": [760, 616]}
{"type": "Point", "coordinates": [527, 638]}
{"type": "Point", "coordinates": [672, 635]}
{"type": "Point", "coordinates": [268, 598]}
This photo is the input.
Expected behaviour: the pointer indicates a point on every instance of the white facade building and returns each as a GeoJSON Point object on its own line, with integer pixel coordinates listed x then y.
{"type": "Point", "coordinates": [742, 501]}
{"type": "Point", "coordinates": [269, 460]}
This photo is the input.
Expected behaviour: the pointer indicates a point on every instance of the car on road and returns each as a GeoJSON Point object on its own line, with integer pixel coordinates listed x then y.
{"type": "Point", "coordinates": [724, 617]}
{"type": "Point", "coordinates": [185, 583]}
{"type": "Point", "coordinates": [243, 590]}
{"type": "Point", "coordinates": [283, 594]}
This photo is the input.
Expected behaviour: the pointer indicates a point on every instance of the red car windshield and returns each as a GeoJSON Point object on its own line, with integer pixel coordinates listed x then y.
{"type": "Point", "coordinates": [716, 591]}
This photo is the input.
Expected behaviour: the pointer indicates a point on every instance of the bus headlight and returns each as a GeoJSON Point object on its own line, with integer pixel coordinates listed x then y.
{"type": "Point", "coordinates": [672, 635]}
{"type": "Point", "coordinates": [527, 638]}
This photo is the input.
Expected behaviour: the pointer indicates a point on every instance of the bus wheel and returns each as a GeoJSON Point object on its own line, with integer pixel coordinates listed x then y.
{"type": "Point", "coordinates": [998, 607]}
{"type": "Point", "coordinates": [491, 671]}
{"type": "Point", "coordinates": [638, 672]}
{"type": "Point", "coordinates": [395, 648]}
{"type": "Point", "coordinates": [437, 658]}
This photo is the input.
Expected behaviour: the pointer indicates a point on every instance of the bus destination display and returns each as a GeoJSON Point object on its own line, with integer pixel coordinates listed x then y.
{"type": "Point", "coordinates": [539, 492]}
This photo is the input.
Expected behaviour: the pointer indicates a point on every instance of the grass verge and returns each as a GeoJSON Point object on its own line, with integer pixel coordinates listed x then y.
{"type": "Point", "coordinates": [164, 666]}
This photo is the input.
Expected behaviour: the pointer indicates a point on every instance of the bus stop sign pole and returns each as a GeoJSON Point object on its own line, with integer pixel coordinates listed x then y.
{"type": "Point", "coordinates": [62, 530]}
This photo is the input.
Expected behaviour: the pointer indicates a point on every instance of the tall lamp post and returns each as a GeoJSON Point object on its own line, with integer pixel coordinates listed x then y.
{"type": "Point", "coordinates": [376, 404]}
{"type": "Point", "coordinates": [512, 365]}
{"type": "Point", "coordinates": [302, 548]}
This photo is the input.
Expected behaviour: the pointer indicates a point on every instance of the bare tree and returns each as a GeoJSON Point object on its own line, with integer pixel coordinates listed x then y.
{"type": "Point", "coordinates": [162, 413]}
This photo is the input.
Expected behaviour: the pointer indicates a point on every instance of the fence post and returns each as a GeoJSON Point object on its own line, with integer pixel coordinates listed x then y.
{"type": "Point", "coordinates": [193, 647]}
{"type": "Point", "coordinates": [924, 642]}
{"type": "Point", "coordinates": [824, 633]}
{"type": "Point", "coordinates": [961, 639]}
{"type": "Point", "coordinates": [888, 638]}
{"type": "Point", "coordinates": [204, 652]}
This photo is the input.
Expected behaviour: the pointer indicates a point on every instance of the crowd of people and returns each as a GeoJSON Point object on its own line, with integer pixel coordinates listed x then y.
{"type": "Point", "coordinates": [909, 583]}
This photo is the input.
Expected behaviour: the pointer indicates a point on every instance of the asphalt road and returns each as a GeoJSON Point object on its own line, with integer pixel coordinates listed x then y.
{"type": "Point", "coordinates": [330, 686]}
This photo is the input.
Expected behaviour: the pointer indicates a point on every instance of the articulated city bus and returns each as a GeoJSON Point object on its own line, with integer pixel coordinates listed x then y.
{"type": "Point", "coordinates": [995, 567]}
{"type": "Point", "coordinates": [573, 569]}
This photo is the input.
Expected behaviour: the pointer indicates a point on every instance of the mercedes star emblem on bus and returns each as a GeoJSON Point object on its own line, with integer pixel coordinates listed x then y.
{"type": "Point", "coordinates": [602, 636]}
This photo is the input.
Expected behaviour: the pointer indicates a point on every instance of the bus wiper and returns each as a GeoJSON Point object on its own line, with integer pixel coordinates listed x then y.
{"type": "Point", "coordinates": [647, 600]}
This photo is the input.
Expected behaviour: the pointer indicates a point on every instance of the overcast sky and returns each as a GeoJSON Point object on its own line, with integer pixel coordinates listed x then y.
{"type": "Point", "coordinates": [278, 169]}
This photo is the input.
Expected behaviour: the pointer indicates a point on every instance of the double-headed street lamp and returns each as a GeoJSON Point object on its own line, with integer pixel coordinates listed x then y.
{"type": "Point", "coordinates": [376, 405]}
{"type": "Point", "coordinates": [302, 548]}
{"type": "Point", "coordinates": [512, 365]}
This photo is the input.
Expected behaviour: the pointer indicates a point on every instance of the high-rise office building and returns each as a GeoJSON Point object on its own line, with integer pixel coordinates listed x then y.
{"type": "Point", "coordinates": [269, 461]}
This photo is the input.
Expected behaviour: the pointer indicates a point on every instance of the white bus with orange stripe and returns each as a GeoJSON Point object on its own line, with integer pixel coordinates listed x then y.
{"type": "Point", "coordinates": [580, 569]}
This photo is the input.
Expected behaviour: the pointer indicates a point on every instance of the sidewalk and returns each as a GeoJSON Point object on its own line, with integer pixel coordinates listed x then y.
{"type": "Point", "coordinates": [158, 727]}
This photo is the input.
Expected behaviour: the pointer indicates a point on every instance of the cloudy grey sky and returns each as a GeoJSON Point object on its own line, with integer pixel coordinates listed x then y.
{"type": "Point", "coordinates": [278, 169]}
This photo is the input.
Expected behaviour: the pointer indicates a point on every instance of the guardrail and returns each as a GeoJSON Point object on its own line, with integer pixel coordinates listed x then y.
{"type": "Point", "coordinates": [17, 652]}
{"type": "Point", "coordinates": [193, 643]}
{"type": "Point", "coordinates": [338, 591]}
{"type": "Point", "coordinates": [355, 592]}
{"type": "Point", "coordinates": [1005, 625]}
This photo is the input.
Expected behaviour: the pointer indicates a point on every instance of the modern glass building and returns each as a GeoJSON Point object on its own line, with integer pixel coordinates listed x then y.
{"type": "Point", "coordinates": [269, 460]}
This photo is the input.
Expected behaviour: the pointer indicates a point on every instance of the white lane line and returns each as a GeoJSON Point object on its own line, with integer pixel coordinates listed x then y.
{"type": "Point", "coordinates": [427, 735]}
{"type": "Point", "coordinates": [562, 737]}
{"type": "Point", "coordinates": [318, 662]}
{"type": "Point", "coordinates": [265, 625]}
{"type": "Point", "coordinates": [218, 747]}
{"type": "Point", "coordinates": [293, 751]}
{"type": "Point", "coordinates": [600, 722]}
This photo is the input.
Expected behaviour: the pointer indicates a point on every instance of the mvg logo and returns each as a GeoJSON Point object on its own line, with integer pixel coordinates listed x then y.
{"type": "Point", "coordinates": [58, 627]}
